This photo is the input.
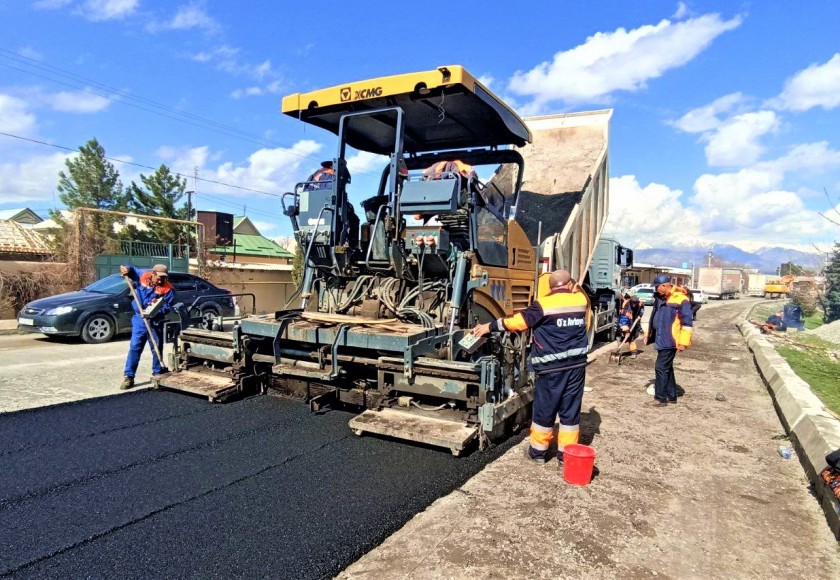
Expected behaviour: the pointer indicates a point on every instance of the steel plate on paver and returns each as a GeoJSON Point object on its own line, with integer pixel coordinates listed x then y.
{"type": "Point", "coordinates": [453, 435]}
{"type": "Point", "coordinates": [207, 384]}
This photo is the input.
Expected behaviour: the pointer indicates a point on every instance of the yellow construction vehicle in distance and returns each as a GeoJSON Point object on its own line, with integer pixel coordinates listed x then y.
{"type": "Point", "coordinates": [779, 287]}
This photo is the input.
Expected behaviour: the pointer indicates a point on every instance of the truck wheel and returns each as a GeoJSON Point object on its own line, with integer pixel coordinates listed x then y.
{"type": "Point", "coordinates": [98, 328]}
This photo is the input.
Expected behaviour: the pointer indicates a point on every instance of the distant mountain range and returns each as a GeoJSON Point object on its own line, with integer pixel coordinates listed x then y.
{"type": "Point", "coordinates": [767, 260]}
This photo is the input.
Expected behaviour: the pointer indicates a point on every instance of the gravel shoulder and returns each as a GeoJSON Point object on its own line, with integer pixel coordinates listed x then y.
{"type": "Point", "coordinates": [695, 490]}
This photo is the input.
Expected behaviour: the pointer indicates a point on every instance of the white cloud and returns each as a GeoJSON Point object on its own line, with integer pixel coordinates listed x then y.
{"type": "Point", "coordinates": [706, 117]}
{"type": "Point", "coordinates": [266, 228]}
{"type": "Point", "coordinates": [816, 156]}
{"type": "Point", "coordinates": [620, 60]}
{"type": "Point", "coordinates": [753, 204]}
{"type": "Point", "coordinates": [736, 142]}
{"type": "Point", "coordinates": [273, 88]}
{"type": "Point", "coordinates": [227, 59]}
{"type": "Point", "coordinates": [486, 80]}
{"type": "Point", "coordinates": [750, 206]}
{"type": "Point", "coordinates": [732, 133]}
{"type": "Point", "coordinates": [31, 180]}
{"type": "Point", "coordinates": [653, 213]}
{"type": "Point", "coordinates": [682, 11]}
{"type": "Point", "coordinates": [365, 162]}
{"type": "Point", "coordinates": [190, 16]}
{"type": "Point", "coordinates": [184, 160]}
{"type": "Point", "coordinates": [247, 92]}
{"type": "Point", "coordinates": [816, 86]}
{"type": "Point", "coordinates": [268, 170]}
{"type": "Point", "coordinates": [77, 102]}
{"type": "Point", "coordinates": [98, 10]}
{"type": "Point", "coordinates": [15, 116]}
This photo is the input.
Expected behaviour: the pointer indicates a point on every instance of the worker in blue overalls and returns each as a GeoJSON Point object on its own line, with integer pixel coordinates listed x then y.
{"type": "Point", "coordinates": [150, 287]}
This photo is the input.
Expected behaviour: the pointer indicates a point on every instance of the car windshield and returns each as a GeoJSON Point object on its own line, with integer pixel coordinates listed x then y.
{"type": "Point", "coordinates": [113, 284]}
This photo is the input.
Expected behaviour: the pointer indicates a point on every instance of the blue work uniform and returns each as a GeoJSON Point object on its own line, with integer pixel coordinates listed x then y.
{"type": "Point", "coordinates": [559, 323]}
{"type": "Point", "coordinates": [147, 293]}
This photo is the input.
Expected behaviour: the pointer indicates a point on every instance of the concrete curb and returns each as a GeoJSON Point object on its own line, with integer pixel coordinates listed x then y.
{"type": "Point", "coordinates": [813, 431]}
{"type": "Point", "coordinates": [8, 326]}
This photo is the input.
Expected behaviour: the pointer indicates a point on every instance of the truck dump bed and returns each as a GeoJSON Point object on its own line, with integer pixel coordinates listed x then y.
{"type": "Point", "coordinates": [566, 186]}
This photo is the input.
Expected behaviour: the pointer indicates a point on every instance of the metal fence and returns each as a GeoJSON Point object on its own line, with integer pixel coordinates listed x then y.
{"type": "Point", "coordinates": [153, 249]}
{"type": "Point", "coordinates": [143, 255]}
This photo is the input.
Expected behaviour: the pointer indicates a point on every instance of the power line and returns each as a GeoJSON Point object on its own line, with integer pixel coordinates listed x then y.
{"type": "Point", "coordinates": [205, 180]}
{"type": "Point", "coordinates": [105, 91]}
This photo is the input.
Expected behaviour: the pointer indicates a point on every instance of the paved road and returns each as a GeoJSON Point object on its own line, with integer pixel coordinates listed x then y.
{"type": "Point", "coordinates": [37, 371]}
{"type": "Point", "coordinates": [693, 490]}
{"type": "Point", "coordinates": [157, 484]}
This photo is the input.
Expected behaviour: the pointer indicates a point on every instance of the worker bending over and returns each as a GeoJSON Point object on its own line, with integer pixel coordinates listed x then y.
{"type": "Point", "coordinates": [559, 322]}
{"type": "Point", "coordinates": [776, 322]}
{"type": "Point", "coordinates": [629, 321]}
{"type": "Point", "coordinates": [150, 287]}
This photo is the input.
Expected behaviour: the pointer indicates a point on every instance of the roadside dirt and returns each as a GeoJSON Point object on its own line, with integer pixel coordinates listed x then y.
{"type": "Point", "coordinates": [694, 490]}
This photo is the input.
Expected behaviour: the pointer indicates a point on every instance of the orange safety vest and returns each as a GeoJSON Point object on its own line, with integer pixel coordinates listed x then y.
{"type": "Point", "coordinates": [321, 173]}
{"type": "Point", "coordinates": [439, 169]}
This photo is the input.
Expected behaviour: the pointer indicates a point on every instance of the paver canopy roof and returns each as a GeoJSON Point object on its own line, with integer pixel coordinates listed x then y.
{"type": "Point", "coordinates": [446, 108]}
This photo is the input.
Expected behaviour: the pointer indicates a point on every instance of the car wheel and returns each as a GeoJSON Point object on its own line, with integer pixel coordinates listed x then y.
{"type": "Point", "coordinates": [97, 329]}
{"type": "Point", "coordinates": [209, 316]}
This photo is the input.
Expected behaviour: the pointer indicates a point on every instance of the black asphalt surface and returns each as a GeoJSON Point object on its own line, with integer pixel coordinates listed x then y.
{"type": "Point", "coordinates": [157, 484]}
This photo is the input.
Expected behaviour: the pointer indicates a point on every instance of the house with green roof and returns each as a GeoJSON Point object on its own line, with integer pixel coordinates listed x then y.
{"type": "Point", "coordinates": [250, 246]}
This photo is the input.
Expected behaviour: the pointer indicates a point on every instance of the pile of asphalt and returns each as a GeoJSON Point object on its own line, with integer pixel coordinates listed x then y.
{"type": "Point", "coordinates": [155, 484]}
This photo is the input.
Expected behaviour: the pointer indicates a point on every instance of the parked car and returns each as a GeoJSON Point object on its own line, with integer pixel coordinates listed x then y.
{"type": "Point", "coordinates": [700, 297]}
{"type": "Point", "coordinates": [103, 310]}
{"type": "Point", "coordinates": [645, 295]}
{"type": "Point", "coordinates": [638, 286]}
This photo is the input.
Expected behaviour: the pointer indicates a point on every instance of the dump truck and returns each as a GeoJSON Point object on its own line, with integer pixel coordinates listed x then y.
{"type": "Point", "coordinates": [609, 262]}
{"type": "Point", "coordinates": [778, 287]}
{"type": "Point", "coordinates": [391, 290]}
{"type": "Point", "coordinates": [755, 284]}
{"type": "Point", "coordinates": [719, 283]}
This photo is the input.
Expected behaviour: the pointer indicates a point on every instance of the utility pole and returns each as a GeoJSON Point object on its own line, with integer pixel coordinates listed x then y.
{"type": "Point", "coordinates": [710, 258]}
{"type": "Point", "coordinates": [189, 219]}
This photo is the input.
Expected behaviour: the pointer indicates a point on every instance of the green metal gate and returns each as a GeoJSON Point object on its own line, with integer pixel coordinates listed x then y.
{"type": "Point", "coordinates": [143, 255]}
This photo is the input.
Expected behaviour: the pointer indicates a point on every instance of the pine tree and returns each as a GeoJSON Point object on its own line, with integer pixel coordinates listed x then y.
{"type": "Point", "coordinates": [161, 195]}
{"type": "Point", "coordinates": [90, 180]}
{"type": "Point", "coordinates": [831, 301]}
{"type": "Point", "coordinates": [297, 266]}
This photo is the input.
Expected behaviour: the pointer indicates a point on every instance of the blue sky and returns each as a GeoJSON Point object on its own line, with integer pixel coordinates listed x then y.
{"type": "Point", "coordinates": [725, 130]}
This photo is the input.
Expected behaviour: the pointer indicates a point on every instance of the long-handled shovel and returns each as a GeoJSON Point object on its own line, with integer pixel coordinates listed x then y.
{"type": "Point", "coordinates": [616, 356]}
{"type": "Point", "coordinates": [145, 320]}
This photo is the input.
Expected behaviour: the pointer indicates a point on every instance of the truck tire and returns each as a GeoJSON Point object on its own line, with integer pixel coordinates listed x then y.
{"type": "Point", "coordinates": [98, 328]}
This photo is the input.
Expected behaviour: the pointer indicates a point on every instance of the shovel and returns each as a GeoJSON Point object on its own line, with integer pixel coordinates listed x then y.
{"type": "Point", "coordinates": [145, 320]}
{"type": "Point", "coordinates": [616, 356]}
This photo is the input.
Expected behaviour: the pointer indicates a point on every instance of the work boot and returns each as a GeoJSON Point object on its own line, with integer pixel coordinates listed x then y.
{"type": "Point", "coordinates": [536, 460]}
{"type": "Point", "coordinates": [657, 404]}
{"type": "Point", "coordinates": [128, 383]}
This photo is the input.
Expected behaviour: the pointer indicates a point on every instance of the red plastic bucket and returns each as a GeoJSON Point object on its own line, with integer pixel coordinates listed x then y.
{"type": "Point", "coordinates": [578, 463]}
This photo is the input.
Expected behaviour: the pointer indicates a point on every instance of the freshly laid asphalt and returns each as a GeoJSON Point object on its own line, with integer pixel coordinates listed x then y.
{"type": "Point", "coordinates": [159, 484]}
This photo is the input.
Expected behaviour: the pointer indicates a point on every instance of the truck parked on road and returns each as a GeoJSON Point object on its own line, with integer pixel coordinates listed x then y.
{"type": "Point", "coordinates": [605, 273]}
{"type": "Point", "coordinates": [755, 284]}
{"type": "Point", "coordinates": [719, 283]}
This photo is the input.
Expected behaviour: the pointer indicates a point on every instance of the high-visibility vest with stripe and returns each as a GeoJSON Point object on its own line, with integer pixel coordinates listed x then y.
{"type": "Point", "coordinates": [559, 322]}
